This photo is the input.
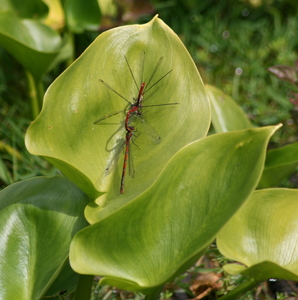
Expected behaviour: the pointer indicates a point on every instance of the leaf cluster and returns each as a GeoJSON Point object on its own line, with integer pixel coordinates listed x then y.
{"type": "Point", "coordinates": [189, 190]}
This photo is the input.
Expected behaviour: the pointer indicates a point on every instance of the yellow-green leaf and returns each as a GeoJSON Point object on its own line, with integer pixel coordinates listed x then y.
{"type": "Point", "coordinates": [226, 113]}
{"type": "Point", "coordinates": [65, 133]}
{"type": "Point", "coordinates": [263, 235]}
{"type": "Point", "coordinates": [162, 232]}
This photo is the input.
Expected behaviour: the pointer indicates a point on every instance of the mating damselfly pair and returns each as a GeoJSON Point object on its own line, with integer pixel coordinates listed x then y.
{"type": "Point", "coordinates": [134, 110]}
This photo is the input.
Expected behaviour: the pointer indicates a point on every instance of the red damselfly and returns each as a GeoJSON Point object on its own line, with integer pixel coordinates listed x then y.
{"type": "Point", "coordinates": [137, 105]}
{"type": "Point", "coordinates": [135, 109]}
{"type": "Point", "coordinates": [127, 157]}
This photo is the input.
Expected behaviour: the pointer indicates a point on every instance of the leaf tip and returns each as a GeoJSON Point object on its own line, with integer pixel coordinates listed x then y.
{"type": "Point", "coordinates": [276, 127]}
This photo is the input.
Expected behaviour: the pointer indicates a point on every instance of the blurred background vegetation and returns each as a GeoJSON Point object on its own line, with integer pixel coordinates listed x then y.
{"type": "Point", "coordinates": [232, 42]}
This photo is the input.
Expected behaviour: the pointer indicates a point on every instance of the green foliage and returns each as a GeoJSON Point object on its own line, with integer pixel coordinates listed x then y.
{"type": "Point", "coordinates": [280, 163]}
{"type": "Point", "coordinates": [222, 36]}
{"type": "Point", "coordinates": [18, 164]}
{"type": "Point", "coordinates": [69, 112]}
{"type": "Point", "coordinates": [34, 9]}
{"type": "Point", "coordinates": [186, 187]}
{"type": "Point", "coordinates": [35, 45]}
{"type": "Point", "coordinates": [160, 244]}
{"type": "Point", "coordinates": [262, 235]}
{"type": "Point", "coordinates": [82, 17]}
{"type": "Point", "coordinates": [226, 114]}
{"type": "Point", "coordinates": [32, 242]}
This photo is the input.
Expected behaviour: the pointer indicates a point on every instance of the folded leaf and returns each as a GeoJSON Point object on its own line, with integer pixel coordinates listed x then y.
{"type": "Point", "coordinates": [227, 115]}
{"type": "Point", "coordinates": [34, 45]}
{"type": "Point", "coordinates": [163, 231]}
{"type": "Point", "coordinates": [65, 132]}
{"type": "Point", "coordinates": [263, 235]}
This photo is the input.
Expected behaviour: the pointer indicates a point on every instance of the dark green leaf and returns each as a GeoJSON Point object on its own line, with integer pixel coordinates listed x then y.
{"type": "Point", "coordinates": [35, 45]}
{"type": "Point", "coordinates": [82, 17]}
{"type": "Point", "coordinates": [38, 218]}
{"type": "Point", "coordinates": [279, 164]}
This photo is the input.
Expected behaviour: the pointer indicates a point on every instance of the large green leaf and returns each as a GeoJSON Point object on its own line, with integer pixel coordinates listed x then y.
{"type": "Point", "coordinates": [64, 132]}
{"type": "Point", "coordinates": [38, 219]}
{"type": "Point", "coordinates": [82, 17]}
{"type": "Point", "coordinates": [279, 164]}
{"type": "Point", "coordinates": [163, 231]}
{"type": "Point", "coordinates": [263, 236]}
{"type": "Point", "coordinates": [226, 114]}
{"type": "Point", "coordinates": [36, 46]}
{"type": "Point", "coordinates": [31, 9]}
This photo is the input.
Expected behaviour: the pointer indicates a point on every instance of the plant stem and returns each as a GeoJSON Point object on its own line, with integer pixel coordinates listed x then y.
{"type": "Point", "coordinates": [71, 59]}
{"type": "Point", "coordinates": [36, 92]}
{"type": "Point", "coordinates": [155, 294]}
